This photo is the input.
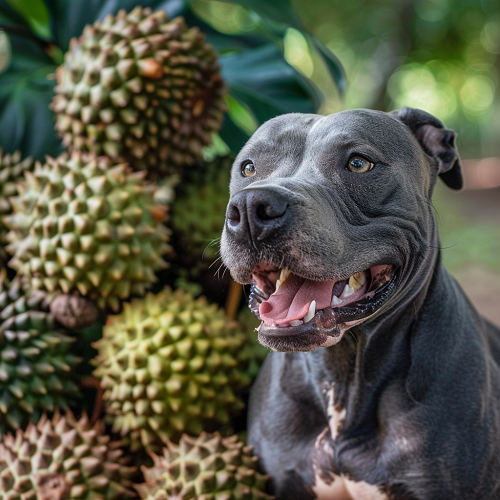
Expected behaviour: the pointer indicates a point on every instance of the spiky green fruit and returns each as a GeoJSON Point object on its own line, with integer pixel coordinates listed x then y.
{"type": "Point", "coordinates": [168, 364]}
{"type": "Point", "coordinates": [198, 213]}
{"type": "Point", "coordinates": [12, 170]}
{"type": "Point", "coordinates": [36, 365]}
{"type": "Point", "coordinates": [85, 225]}
{"type": "Point", "coordinates": [209, 467]}
{"type": "Point", "coordinates": [142, 89]}
{"type": "Point", "coordinates": [63, 459]}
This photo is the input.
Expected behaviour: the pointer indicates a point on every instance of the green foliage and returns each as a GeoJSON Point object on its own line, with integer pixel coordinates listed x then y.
{"type": "Point", "coordinates": [258, 77]}
{"type": "Point", "coordinates": [36, 13]}
{"type": "Point", "coordinates": [469, 245]}
{"type": "Point", "coordinates": [437, 55]}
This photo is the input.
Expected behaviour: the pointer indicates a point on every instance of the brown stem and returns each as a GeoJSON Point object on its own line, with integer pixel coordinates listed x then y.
{"type": "Point", "coordinates": [233, 299]}
{"type": "Point", "coordinates": [93, 383]}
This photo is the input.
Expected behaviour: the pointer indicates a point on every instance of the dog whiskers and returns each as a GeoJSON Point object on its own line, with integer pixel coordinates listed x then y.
{"type": "Point", "coordinates": [215, 262]}
{"type": "Point", "coordinates": [218, 271]}
{"type": "Point", "coordinates": [213, 242]}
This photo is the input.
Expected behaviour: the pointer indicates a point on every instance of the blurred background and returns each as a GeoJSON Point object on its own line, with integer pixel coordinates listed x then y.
{"type": "Point", "coordinates": [442, 56]}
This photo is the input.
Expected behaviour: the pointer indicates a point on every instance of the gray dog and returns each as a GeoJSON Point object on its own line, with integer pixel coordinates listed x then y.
{"type": "Point", "coordinates": [388, 383]}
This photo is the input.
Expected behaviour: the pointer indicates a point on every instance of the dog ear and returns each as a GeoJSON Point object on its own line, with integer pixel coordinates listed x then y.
{"type": "Point", "coordinates": [437, 141]}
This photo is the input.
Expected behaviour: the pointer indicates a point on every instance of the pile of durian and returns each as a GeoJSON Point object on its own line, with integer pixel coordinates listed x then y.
{"type": "Point", "coordinates": [117, 380]}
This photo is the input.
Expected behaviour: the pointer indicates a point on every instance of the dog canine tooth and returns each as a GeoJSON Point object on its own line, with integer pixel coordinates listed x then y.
{"type": "Point", "coordinates": [357, 280]}
{"type": "Point", "coordinates": [310, 312]}
{"type": "Point", "coordinates": [346, 292]}
{"type": "Point", "coordinates": [283, 276]}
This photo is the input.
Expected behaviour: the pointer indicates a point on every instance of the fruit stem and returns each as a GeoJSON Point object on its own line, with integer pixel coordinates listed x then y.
{"type": "Point", "coordinates": [93, 383]}
{"type": "Point", "coordinates": [233, 299]}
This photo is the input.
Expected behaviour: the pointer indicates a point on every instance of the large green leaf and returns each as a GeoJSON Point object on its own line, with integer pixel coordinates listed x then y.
{"type": "Point", "coordinates": [25, 94]}
{"type": "Point", "coordinates": [225, 43]}
{"type": "Point", "coordinates": [262, 80]}
{"type": "Point", "coordinates": [280, 12]}
{"type": "Point", "coordinates": [332, 63]}
{"type": "Point", "coordinates": [9, 17]}
{"type": "Point", "coordinates": [277, 16]}
{"type": "Point", "coordinates": [70, 17]}
{"type": "Point", "coordinates": [36, 14]}
{"type": "Point", "coordinates": [232, 135]}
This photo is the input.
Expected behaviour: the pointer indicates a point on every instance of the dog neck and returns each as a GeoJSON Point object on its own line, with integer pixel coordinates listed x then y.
{"type": "Point", "coordinates": [352, 375]}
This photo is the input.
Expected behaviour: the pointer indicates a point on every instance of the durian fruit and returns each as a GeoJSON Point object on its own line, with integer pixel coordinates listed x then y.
{"type": "Point", "coordinates": [36, 365]}
{"type": "Point", "coordinates": [12, 169]}
{"type": "Point", "coordinates": [168, 364]}
{"type": "Point", "coordinates": [63, 459]}
{"type": "Point", "coordinates": [199, 212]}
{"type": "Point", "coordinates": [209, 467]}
{"type": "Point", "coordinates": [82, 224]}
{"type": "Point", "coordinates": [142, 89]}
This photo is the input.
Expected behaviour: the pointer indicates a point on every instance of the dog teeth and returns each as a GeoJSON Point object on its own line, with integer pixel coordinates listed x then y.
{"type": "Point", "coordinates": [283, 276]}
{"type": "Point", "coordinates": [356, 281]}
{"type": "Point", "coordinates": [296, 322]}
{"type": "Point", "coordinates": [346, 292]}
{"type": "Point", "coordinates": [311, 312]}
{"type": "Point", "coordinates": [336, 301]}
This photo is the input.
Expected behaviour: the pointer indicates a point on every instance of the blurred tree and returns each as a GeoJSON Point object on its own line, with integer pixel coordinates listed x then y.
{"type": "Point", "coordinates": [439, 55]}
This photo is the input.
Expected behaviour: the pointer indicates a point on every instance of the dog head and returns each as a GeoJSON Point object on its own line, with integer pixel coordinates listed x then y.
{"type": "Point", "coordinates": [330, 219]}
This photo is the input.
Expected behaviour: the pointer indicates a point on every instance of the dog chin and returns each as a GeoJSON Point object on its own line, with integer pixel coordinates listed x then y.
{"type": "Point", "coordinates": [284, 340]}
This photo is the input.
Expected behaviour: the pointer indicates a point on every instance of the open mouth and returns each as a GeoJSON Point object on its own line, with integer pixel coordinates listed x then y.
{"type": "Point", "coordinates": [289, 305]}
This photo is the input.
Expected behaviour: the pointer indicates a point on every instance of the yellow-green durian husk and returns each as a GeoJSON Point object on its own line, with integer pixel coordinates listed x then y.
{"type": "Point", "coordinates": [140, 88]}
{"type": "Point", "coordinates": [86, 225]}
{"type": "Point", "coordinates": [170, 364]}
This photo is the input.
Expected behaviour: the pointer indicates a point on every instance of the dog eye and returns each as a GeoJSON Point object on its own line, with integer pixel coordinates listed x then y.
{"type": "Point", "coordinates": [359, 165]}
{"type": "Point", "coordinates": [247, 168]}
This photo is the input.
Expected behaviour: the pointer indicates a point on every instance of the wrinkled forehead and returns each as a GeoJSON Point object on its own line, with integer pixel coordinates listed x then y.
{"type": "Point", "coordinates": [296, 135]}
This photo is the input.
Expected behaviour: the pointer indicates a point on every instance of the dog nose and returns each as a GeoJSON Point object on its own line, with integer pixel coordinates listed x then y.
{"type": "Point", "coordinates": [256, 213]}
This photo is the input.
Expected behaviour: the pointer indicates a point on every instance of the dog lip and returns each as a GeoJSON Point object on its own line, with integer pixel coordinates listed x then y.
{"type": "Point", "coordinates": [328, 327]}
{"type": "Point", "coordinates": [305, 337]}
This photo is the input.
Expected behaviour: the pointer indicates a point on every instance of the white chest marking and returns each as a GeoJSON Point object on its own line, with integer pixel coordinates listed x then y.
{"type": "Point", "coordinates": [338, 487]}
{"type": "Point", "coordinates": [335, 417]}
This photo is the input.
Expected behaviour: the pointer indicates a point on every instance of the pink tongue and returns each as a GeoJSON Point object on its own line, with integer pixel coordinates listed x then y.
{"type": "Point", "coordinates": [292, 300]}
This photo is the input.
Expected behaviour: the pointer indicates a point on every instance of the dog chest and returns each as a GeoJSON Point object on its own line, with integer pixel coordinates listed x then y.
{"type": "Point", "coordinates": [330, 486]}
{"type": "Point", "coordinates": [344, 489]}
{"type": "Point", "coordinates": [327, 485]}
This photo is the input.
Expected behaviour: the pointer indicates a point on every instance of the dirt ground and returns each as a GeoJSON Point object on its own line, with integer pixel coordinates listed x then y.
{"type": "Point", "coordinates": [483, 288]}
{"type": "Point", "coordinates": [478, 208]}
